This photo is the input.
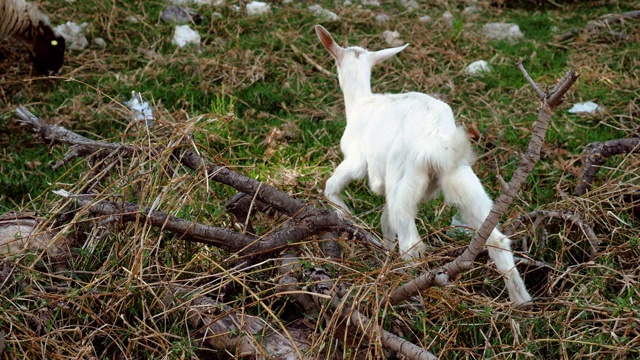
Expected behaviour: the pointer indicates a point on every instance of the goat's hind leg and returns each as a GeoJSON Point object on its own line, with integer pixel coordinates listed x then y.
{"type": "Point", "coordinates": [402, 208]}
{"type": "Point", "coordinates": [462, 188]}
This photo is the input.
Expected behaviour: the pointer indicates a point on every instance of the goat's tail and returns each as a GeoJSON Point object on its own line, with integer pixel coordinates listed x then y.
{"type": "Point", "coordinates": [453, 151]}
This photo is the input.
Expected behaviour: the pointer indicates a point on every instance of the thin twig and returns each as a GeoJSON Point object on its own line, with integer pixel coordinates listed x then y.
{"type": "Point", "coordinates": [533, 84]}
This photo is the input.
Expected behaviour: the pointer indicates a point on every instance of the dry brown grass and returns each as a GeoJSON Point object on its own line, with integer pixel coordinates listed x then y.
{"type": "Point", "coordinates": [128, 290]}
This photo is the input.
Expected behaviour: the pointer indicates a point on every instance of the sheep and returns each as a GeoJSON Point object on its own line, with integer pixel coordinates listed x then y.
{"type": "Point", "coordinates": [410, 148]}
{"type": "Point", "coordinates": [25, 22]}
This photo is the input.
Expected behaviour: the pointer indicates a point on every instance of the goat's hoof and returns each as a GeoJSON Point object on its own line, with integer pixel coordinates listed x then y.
{"type": "Point", "coordinates": [415, 251]}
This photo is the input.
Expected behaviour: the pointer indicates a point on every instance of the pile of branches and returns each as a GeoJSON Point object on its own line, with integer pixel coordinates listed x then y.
{"type": "Point", "coordinates": [112, 269]}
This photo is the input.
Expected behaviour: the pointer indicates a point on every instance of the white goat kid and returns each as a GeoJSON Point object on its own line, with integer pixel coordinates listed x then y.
{"type": "Point", "coordinates": [410, 148]}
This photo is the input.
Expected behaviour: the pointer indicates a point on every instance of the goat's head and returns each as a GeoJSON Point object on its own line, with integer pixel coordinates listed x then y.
{"type": "Point", "coordinates": [354, 63]}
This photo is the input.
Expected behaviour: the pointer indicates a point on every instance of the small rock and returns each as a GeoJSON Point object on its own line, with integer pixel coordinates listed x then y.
{"type": "Point", "coordinates": [392, 38]}
{"type": "Point", "coordinates": [588, 107]}
{"type": "Point", "coordinates": [410, 4]}
{"type": "Point", "coordinates": [98, 43]}
{"type": "Point", "coordinates": [180, 15]}
{"type": "Point", "coordinates": [198, 2]}
{"type": "Point", "coordinates": [447, 17]}
{"type": "Point", "coordinates": [323, 13]}
{"type": "Point", "coordinates": [256, 8]}
{"type": "Point", "coordinates": [472, 10]}
{"type": "Point", "coordinates": [371, 2]}
{"type": "Point", "coordinates": [347, 3]}
{"type": "Point", "coordinates": [478, 67]}
{"type": "Point", "coordinates": [133, 19]}
{"type": "Point", "coordinates": [183, 35]}
{"type": "Point", "coordinates": [502, 31]}
{"type": "Point", "coordinates": [382, 18]}
{"type": "Point", "coordinates": [425, 19]}
{"type": "Point", "coordinates": [73, 35]}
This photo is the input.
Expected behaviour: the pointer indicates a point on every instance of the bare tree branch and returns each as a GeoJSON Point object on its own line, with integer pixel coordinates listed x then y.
{"type": "Point", "coordinates": [604, 23]}
{"type": "Point", "coordinates": [597, 153]}
{"type": "Point", "coordinates": [324, 284]}
{"type": "Point", "coordinates": [441, 275]}
{"type": "Point", "coordinates": [575, 219]}
{"type": "Point", "coordinates": [308, 219]}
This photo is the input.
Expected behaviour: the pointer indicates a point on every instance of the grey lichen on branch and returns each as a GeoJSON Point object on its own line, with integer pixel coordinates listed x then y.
{"type": "Point", "coordinates": [465, 261]}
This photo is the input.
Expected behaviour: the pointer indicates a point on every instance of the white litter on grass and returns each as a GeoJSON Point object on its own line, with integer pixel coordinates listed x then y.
{"type": "Point", "coordinates": [140, 109]}
{"type": "Point", "coordinates": [256, 8]}
{"type": "Point", "coordinates": [319, 11]}
{"type": "Point", "coordinates": [73, 35]}
{"type": "Point", "coordinates": [184, 35]}
{"type": "Point", "coordinates": [478, 67]}
{"type": "Point", "coordinates": [502, 31]}
{"type": "Point", "coordinates": [425, 18]}
{"type": "Point", "coordinates": [588, 107]}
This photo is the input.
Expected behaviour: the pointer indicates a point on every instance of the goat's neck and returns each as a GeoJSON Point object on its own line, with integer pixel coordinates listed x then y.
{"type": "Point", "coordinates": [355, 85]}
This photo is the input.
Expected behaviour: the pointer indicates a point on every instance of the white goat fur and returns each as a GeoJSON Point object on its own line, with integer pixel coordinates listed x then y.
{"type": "Point", "coordinates": [410, 148]}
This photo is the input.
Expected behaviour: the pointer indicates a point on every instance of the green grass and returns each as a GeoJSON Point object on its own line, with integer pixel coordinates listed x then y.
{"type": "Point", "coordinates": [249, 79]}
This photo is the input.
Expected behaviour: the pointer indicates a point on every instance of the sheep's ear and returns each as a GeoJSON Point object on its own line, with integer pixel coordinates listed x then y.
{"type": "Point", "coordinates": [382, 55]}
{"type": "Point", "coordinates": [325, 38]}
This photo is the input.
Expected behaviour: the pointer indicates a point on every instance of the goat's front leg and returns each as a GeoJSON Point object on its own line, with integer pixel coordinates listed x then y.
{"type": "Point", "coordinates": [462, 188]}
{"type": "Point", "coordinates": [345, 173]}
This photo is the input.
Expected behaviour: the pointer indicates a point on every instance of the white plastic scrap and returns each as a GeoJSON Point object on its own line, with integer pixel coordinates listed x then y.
{"type": "Point", "coordinates": [588, 107]}
{"type": "Point", "coordinates": [140, 109]}
{"type": "Point", "coordinates": [184, 35]}
{"type": "Point", "coordinates": [73, 35]}
{"type": "Point", "coordinates": [478, 67]}
{"type": "Point", "coordinates": [256, 8]}
{"type": "Point", "coordinates": [323, 13]}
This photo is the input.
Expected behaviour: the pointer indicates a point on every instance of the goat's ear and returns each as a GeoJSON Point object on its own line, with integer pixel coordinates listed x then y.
{"type": "Point", "coordinates": [382, 55]}
{"type": "Point", "coordinates": [325, 38]}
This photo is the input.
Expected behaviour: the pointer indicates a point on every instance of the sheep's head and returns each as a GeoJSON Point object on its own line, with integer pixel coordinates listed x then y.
{"type": "Point", "coordinates": [47, 52]}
